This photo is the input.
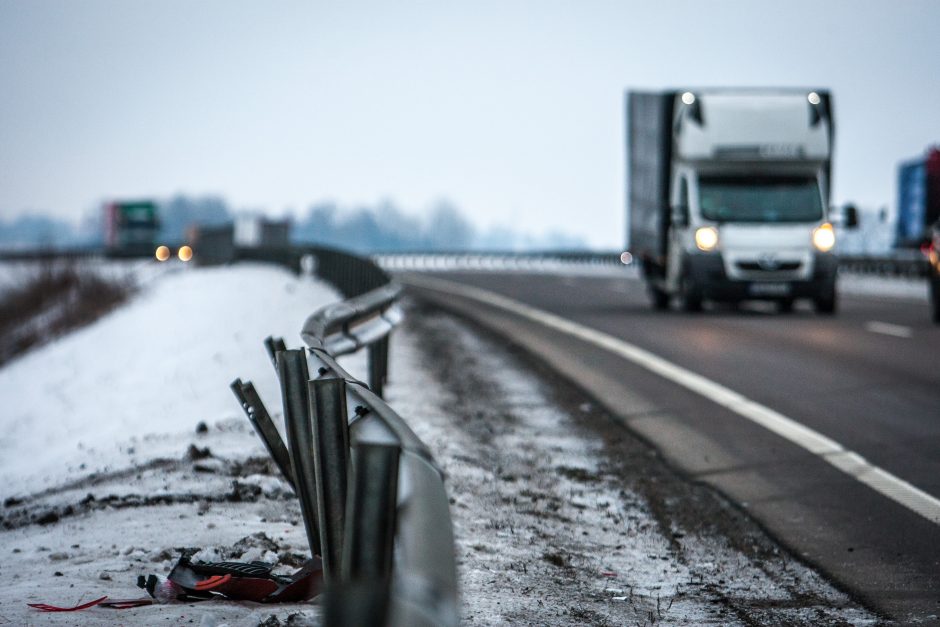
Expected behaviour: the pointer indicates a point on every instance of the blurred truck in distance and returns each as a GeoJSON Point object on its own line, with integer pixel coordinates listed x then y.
{"type": "Point", "coordinates": [933, 257]}
{"type": "Point", "coordinates": [219, 243]}
{"type": "Point", "coordinates": [918, 199]}
{"type": "Point", "coordinates": [728, 195]}
{"type": "Point", "coordinates": [918, 220]}
{"type": "Point", "coordinates": [130, 228]}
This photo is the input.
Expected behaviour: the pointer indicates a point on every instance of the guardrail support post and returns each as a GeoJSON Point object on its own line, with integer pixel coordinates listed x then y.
{"type": "Point", "coordinates": [362, 595]}
{"type": "Point", "coordinates": [378, 366]}
{"type": "Point", "coordinates": [370, 521]}
{"type": "Point", "coordinates": [331, 464]}
{"type": "Point", "coordinates": [261, 420]}
{"type": "Point", "coordinates": [292, 371]}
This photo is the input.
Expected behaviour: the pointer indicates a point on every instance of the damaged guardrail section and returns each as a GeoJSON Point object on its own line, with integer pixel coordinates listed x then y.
{"type": "Point", "coordinates": [373, 501]}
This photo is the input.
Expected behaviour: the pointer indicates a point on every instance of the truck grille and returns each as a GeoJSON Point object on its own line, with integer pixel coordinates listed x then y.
{"type": "Point", "coordinates": [782, 266]}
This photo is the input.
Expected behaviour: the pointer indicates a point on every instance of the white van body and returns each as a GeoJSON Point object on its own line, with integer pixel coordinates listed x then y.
{"type": "Point", "coordinates": [728, 195]}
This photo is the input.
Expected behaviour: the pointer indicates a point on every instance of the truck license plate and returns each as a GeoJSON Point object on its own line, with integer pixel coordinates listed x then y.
{"type": "Point", "coordinates": [770, 289]}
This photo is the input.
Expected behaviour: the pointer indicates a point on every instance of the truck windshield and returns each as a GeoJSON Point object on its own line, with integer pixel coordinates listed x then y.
{"type": "Point", "coordinates": [760, 199]}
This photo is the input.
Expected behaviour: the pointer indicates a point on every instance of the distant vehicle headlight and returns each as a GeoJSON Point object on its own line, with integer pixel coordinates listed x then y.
{"type": "Point", "coordinates": [185, 253]}
{"type": "Point", "coordinates": [824, 238]}
{"type": "Point", "coordinates": [162, 253]}
{"type": "Point", "coordinates": [706, 238]}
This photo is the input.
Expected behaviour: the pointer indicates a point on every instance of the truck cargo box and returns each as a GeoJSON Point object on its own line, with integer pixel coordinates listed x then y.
{"type": "Point", "coordinates": [750, 168]}
{"type": "Point", "coordinates": [649, 148]}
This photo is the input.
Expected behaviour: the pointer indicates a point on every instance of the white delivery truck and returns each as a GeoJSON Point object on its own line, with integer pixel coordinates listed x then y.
{"type": "Point", "coordinates": [728, 195]}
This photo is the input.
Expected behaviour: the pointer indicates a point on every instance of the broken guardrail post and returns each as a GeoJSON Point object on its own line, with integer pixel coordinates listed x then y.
{"type": "Point", "coordinates": [292, 371]}
{"type": "Point", "coordinates": [272, 345]}
{"type": "Point", "coordinates": [362, 595]}
{"type": "Point", "coordinates": [331, 464]}
{"type": "Point", "coordinates": [375, 377]}
{"type": "Point", "coordinates": [261, 420]}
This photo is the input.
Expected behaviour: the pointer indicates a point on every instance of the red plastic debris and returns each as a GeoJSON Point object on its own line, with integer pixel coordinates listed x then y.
{"type": "Point", "coordinates": [45, 607]}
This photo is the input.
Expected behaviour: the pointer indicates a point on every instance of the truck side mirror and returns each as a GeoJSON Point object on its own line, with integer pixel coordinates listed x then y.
{"type": "Point", "coordinates": [851, 217]}
{"type": "Point", "coordinates": [680, 216]}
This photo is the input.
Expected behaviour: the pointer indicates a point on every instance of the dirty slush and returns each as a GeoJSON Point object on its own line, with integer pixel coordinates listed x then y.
{"type": "Point", "coordinates": [563, 517]}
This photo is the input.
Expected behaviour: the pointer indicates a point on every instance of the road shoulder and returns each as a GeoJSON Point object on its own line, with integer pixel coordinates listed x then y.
{"type": "Point", "coordinates": [562, 516]}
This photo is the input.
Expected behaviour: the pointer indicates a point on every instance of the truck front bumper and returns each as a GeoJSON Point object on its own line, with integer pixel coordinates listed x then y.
{"type": "Point", "coordinates": [707, 273]}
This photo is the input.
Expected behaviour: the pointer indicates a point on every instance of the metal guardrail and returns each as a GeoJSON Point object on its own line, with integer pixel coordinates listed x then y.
{"type": "Point", "coordinates": [904, 263]}
{"type": "Point", "coordinates": [50, 254]}
{"type": "Point", "coordinates": [495, 260]}
{"type": "Point", "coordinates": [373, 499]}
{"type": "Point", "coordinates": [911, 264]}
{"type": "Point", "coordinates": [901, 263]}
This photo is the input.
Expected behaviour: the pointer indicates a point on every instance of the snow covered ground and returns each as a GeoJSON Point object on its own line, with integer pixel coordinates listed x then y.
{"type": "Point", "coordinates": [119, 392]}
{"type": "Point", "coordinates": [560, 516]}
{"type": "Point", "coordinates": [102, 471]}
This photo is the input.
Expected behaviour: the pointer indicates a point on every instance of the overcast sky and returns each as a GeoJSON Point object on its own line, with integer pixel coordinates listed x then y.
{"type": "Point", "coordinates": [512, 110]}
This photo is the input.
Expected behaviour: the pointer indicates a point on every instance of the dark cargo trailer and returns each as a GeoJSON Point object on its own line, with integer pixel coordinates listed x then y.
{"type": "Point", "coordinates": [918, 199]}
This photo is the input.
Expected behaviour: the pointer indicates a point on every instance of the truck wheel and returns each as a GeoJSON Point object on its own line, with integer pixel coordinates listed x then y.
{"type": "Point", "coordinates": [659, 299]}
{"type": "Point", "coordinates": [826, 303]}
{"type": "Point", "coordinates": [690, 298]}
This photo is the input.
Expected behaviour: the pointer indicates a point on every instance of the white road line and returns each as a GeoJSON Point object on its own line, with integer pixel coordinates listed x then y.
{"type": "Point", "coordinates": [810, 440]}
{"type": "Point", "coordinates": [886, 328]}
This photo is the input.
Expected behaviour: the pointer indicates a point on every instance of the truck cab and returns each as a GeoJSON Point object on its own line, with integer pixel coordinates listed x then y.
{"type": "Point", "coordinates": [740, 207]}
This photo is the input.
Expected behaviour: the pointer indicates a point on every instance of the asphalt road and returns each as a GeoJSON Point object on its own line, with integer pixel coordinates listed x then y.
{"type": "Point", "coordinates": [868, 378]}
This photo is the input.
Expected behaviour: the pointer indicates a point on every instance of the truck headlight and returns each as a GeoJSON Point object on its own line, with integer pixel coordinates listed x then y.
{"type": "Point", "coordinates": [706, 238]}
{"type": "Point", "coordinates": [824, 238]}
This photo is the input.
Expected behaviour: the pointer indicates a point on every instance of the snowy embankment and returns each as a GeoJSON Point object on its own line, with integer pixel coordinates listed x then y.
{"type": "Point", "coordinates": [122, 441]}
{"type": "Point", "coordinates": [134, 385]}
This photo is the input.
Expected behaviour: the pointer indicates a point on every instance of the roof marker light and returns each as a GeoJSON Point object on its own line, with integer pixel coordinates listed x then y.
{"type": "Point", "coordinates": [688, 98]}
{"type": "Point", "coordinates": [813, 98]}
